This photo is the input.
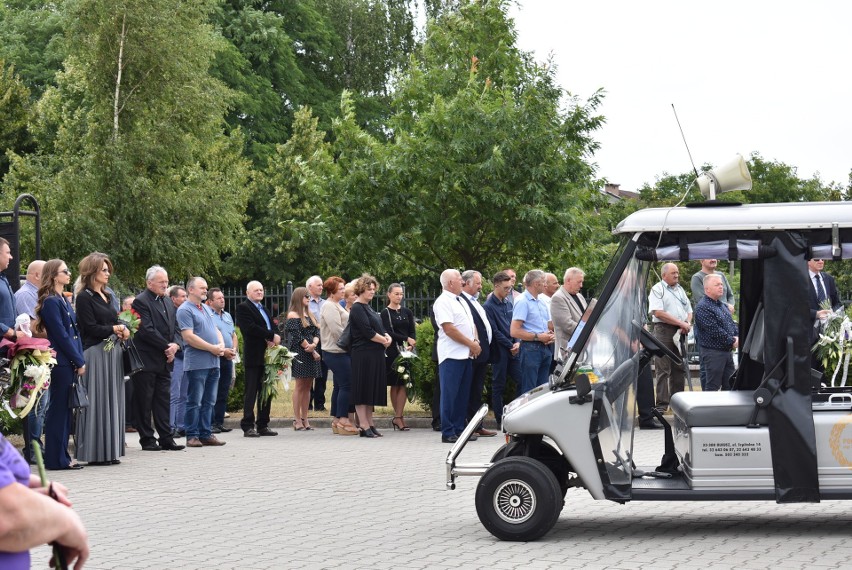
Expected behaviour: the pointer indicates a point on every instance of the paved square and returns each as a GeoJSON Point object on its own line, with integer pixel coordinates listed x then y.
{"type": "Point", "coordinates": [318, 500]}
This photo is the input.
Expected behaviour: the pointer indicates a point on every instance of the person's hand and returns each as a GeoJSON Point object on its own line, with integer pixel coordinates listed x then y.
{"type": "Point", "coordinates": [515, 349]}
{"type": "Point", "coordinates": [731, 308]}
{"type": "Point", "coordinates": [736, 342]}
{"type": "Point", "coordinates": [230, 353]}
{"type": "Point", "coordinates": [317, 356]}
{"type": "Point", "coordinates": [685, 327]}
{"type": "Point", "coordinates": [310, 348]}
{"type": "Point", "coordinates": [171, 350]}
{"type": "Point", "coordinates": [411, 342]}
{"type": "Point", "coordinates": [546, 337]}
{"type": "Point", "coordinates": [11, 334]}
{"type": "Point", "coordinates": [276, 339]}
{"type": "Point", "coordinates": [74, 542]}
{"type": "Point", "coordinates": [823, 313]}
{"type": "Point", "coordinates": [475, 350]}
{"type": "Point", "coordinates": [81, 370]}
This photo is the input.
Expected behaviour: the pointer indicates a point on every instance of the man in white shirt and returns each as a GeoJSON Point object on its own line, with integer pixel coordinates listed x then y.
{"type": "Point", "coordinates": [671, 314]}
{"type": "Point", "coordinates": [315, 303]}
{"type": "Point", "coordinates": [551, 285]}
{"type": "Point", "coordinates": [457, 347]}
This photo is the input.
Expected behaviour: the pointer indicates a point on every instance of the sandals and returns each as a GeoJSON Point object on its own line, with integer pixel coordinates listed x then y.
{"type": "Point", "coordinates": [299, 427]}
{"type": "Point", "coordinates": [401, 425]}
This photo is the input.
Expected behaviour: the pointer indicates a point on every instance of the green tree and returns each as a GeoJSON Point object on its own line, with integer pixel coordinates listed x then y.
{"type": "Point", "coordinates": [139, 166]}
{"type": "Point", "coordinates": [488, 163]}
{"type": "Point", "coordinates": [31, 38]}
{"type": "Point", "coordinates": [14, 116]}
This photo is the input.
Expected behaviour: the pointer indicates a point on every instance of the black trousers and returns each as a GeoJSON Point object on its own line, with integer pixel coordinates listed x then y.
{"type": "Point", "coordinates": [254, 376]}
{"type": "Point", "coordinates": [645, 394]}
{"type": "Point", "coordinates": [476, 385]}
{"type": "Point", "coordinates": [151, 397]}
{"type": "Point", "coordinates": [317, 400]}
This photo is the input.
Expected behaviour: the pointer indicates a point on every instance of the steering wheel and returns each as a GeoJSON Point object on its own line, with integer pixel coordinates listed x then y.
{"type": "Point", "coordinates": [653, 345]}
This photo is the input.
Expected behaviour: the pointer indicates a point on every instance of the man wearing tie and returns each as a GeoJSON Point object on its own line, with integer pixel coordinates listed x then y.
{"type": "Point", "coordinates": [256, 325]}
{"type": "Point", "coordinates": [823, 288]}
{"type": "Point", "coordinates": [155, 342]}
{"type": "Point", "coordinates": [471, 287]}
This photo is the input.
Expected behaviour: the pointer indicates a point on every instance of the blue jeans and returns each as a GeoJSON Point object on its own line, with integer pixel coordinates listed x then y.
{"type": "Point", "coordinates": [504, 365]}
{"type": "Point", "coordinates": [456, 376]}
{"type": "Point", "coordinates": [340, 365]}
{"type": "Point", "coordinates": [226, 373]}
{"type": "Point", "coordinates": [177, 400]}
{"type": "Point", "coordinates": [200, 400]}
{"type": "Point", "coordinates": [34, 425]}
{"type": "Point", "coordinates": [535, 364]}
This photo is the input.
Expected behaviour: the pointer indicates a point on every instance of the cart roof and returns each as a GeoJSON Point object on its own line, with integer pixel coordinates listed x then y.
{"type": "Point", "coordinates": [781, 216]}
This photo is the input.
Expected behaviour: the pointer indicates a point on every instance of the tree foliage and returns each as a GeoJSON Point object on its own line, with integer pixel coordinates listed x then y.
{"type": "Point", "coordinates": [139, 166]}
{"type": "Point", "coordinates": [31, 37]}
{"type": "Point", "coordinates": [14, 116]}
{"type": "Point", "coordinates": [485, 165]}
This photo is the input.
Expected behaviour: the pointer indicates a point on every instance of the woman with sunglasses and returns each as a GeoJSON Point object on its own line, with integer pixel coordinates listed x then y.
{"type": "Point", "coordinates": [56, 319]}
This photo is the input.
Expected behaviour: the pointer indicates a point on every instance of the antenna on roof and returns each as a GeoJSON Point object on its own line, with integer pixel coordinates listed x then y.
{"type": "Point", "coordinates": [695, 170]}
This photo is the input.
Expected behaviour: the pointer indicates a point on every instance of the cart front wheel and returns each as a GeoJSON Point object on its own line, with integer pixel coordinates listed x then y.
{"type": "Point", "coordinates": [518, 499]}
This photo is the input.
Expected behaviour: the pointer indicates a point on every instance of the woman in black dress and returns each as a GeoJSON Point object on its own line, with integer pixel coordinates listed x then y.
{"type": "Point", "coordinates": [100, 427]}
{"type": "Point", "coordinates": [369, 341]}
{"type": "Point", "coordinates": [57, 320]}
{"type": "Point", "coordinates": [399, 324]}
{"type": "Point", "coordinates": [303, 337]}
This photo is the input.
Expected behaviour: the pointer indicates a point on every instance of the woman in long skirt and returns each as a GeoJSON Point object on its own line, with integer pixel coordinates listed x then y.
{"type": "Point", "coordinates": [100, 427]}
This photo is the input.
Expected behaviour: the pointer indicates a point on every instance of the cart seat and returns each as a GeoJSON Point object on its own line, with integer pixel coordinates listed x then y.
{"type": "Point", "coordinates": [708, 409]}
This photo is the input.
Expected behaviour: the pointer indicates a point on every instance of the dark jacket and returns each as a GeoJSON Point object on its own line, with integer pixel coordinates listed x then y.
{"type": "Point", "coordinates": [157, 328]}
{"type": "Point", "coordinates": [60, 324]}
{"type": "Point", "coordinates": [255, 333]}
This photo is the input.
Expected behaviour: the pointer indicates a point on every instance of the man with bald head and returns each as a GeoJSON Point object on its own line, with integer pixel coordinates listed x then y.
{"type": "Point", "coordinates": [718, 335]}
{"type": "Point", "coordinates": [256, 325]}
{"type": "Point", "coordinates": [671, 314]}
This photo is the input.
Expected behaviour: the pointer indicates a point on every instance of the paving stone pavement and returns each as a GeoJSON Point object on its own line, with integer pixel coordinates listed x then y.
{"type": "Point", "coordinates": [317, 500]}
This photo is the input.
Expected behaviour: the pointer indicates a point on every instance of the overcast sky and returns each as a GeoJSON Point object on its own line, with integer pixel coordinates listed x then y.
{"type": "Point", "coordinates": [771, 77]}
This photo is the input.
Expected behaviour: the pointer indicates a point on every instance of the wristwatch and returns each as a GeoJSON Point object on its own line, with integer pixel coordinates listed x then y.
{"type": "Point", "coordinates": [535, 337]}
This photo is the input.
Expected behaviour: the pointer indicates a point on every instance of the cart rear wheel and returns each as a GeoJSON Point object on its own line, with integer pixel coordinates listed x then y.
{"type": "Point", "coordinates": [518, 499]}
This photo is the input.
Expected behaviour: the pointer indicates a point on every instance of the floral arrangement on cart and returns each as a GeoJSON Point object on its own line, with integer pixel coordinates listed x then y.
{"type": "Point", "coordinates": [25, 374]}
{"type": "Point", "coordinates": [834, 346]}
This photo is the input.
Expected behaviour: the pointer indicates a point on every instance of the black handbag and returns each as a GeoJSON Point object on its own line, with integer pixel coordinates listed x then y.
{"type": "Point", "coordinates": [78, 396]}
{"type": "Point", "coordinates": [131, 358]}
{"type": "Point", "coordinates": [345, 340]}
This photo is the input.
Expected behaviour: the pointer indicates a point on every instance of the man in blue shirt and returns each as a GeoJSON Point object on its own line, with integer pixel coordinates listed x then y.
{"type": "Point", "coordinates": [225, 324]}
{"type": "Point", "coordinates": [504, 348]}
{"type": "Point", "coordinates": [203, 348]}
{"type": "Point", "coordinates": [718, 335]}
{"type": "Point", "coordinates": [531, 324]}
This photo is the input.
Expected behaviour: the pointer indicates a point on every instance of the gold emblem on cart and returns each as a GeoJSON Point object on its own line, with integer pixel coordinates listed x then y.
{"type": "Point", "coordinates": [840, 443]}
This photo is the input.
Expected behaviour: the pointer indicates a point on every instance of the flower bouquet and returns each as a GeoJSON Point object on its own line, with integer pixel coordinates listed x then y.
{"type": "Point", "coordinates": [276, 369]}
{"type": "Point", "coordinates": [128, 318]}
{"type": "Point", "coordinates": [29, 373]}
{"type": "Point", "coordinates": [834, 347]}
{"type": "Point", "coordinates": [402, 365]}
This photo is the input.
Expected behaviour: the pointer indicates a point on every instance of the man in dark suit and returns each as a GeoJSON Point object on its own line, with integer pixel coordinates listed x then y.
{"type": "Point", "coordinates": [471, 287]}
{"type": "Point", "coordinates": [155, 342]}
{"type": "Point", "coordinates": [823, 288]}
{"type": "Point", "coordinates": [256, 325]}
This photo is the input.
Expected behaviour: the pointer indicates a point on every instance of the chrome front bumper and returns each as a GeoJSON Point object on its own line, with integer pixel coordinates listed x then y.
{"type": "Point", "coordinates": [476, 470]}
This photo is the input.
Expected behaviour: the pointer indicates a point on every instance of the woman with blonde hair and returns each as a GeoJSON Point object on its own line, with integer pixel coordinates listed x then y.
{"type": "Point", "coordinates": [303, 337]}
{"type": "Point", "coordinates": [100, 427]}
{"type": "Point", "coordinates": [57, 320]}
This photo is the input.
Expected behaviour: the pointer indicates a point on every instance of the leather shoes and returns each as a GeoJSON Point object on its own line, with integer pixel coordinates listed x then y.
{"type": "Point", "coordinates": [211, 441]}
{"type": "Point", "coordinates": [215, 429]}
{"type": "Point", "coordinates": [171, 446]}
{"type": "Point", "coordinates": [180, 433]}
{"type": "Point", "coordinates": [482, 432]}
{"type": "Point", "coordinates": [251, 433]}
{"type": "Point", "coordinates": [151, 447]}
{"type": "Point", "coordinates": [266, 431]}
{"type": "Point", "coordinates": [222, 429]}
{"type": "Point", "coordinates": [194, 442]}
{"type": "Point", "coordinates": [473, 437]}
{"type": "Point", "coordinates": [651, 424]}
{"type": "Point", "coordinates": [451, 439]}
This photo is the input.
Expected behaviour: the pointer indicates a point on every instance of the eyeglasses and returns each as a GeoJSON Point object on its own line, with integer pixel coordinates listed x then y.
{"type": "Point", "coordinates": [66, 272]}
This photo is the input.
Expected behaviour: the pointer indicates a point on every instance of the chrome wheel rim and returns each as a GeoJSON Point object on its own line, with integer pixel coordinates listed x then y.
{"type": "Point", "coordinates": [514, 501]}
